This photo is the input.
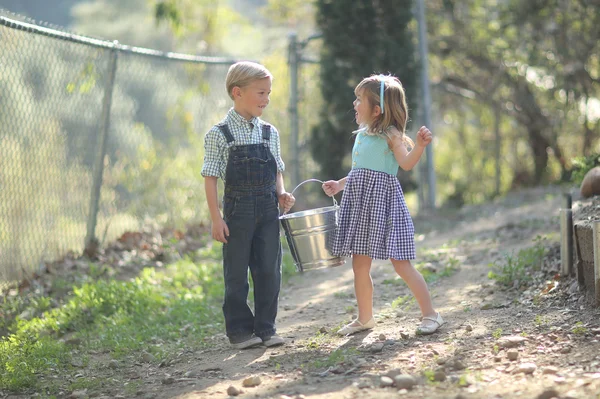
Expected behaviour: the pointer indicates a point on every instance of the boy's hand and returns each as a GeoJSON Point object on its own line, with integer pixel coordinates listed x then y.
{"type": "Point", "coordinates": [286, 201]}
{"type": "Point", "coordinates": [220, 231]}
{"type": "Point", "coordinates": [332, 187]}
{"type": "Point", "coordinates": [424, 136]}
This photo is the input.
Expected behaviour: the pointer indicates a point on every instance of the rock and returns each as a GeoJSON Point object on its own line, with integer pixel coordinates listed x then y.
{"type": "Point", "coordinates": [386, 381]}
{"type": "Point", "coordinates": [405, 381]}
{"type": "Point", "coordinates": [512, 354]}
{"type": "Point", "coordinates": [459, 365]}
{"type": "Point", "coordinates": [393, 373]}
{"type": "Point", "coordinates": [113, 364]}
{"type": "Point", "coordinates": [382, 337]}
{"type": "Point", "coordinates": [168, 381]}
{"type": "Point", "coordinates": [404, 335]}
{"type": "Point", "coordinates": [323, 330]}
{"type": "Point", "coordinates": [251, 382]}
{"type": "Point", "coordinates": [469, 328]}
{"type": "Point", "coordinates": [511, 342]}
{"type": "Point", "coordinates": [233, 391]}
{"type": "Point", "coordinates": [549, 394]}
{"type": "Point", "coordinates": [77, 363]}
{"type": "Point", "coordinates": [78, 394]}
{"type": "Point", "coordinates": [527, 368]}
{"type": "Point", "coordinates": [590, 185]}
{"type": "Point", "coordinates": [439, 375]}
{"type": "Point", "coordinates": [377, 347]}
{"type": "Point", "coordinates": [147, 357]}
{"type": "Point", "coordinates": [550, 370]}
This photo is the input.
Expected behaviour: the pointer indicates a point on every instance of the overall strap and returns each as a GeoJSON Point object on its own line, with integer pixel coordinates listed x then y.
{"type": "Point", "coordinates": [225, 130]}
{"type": "Point", "coordinates": [266, 131]}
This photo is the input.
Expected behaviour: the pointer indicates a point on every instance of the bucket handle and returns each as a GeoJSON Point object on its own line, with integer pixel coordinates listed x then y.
{"type": "Point", "coordinates": [315, 180]}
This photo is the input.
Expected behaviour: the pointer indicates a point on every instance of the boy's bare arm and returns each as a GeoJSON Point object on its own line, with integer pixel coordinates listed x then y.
{"type": "Point", "coordinates": [286, 200]}
{"type": "Point", "coordinates": [220, 231]}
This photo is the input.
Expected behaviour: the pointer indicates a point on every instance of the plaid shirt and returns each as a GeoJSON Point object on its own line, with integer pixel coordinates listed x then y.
{"type": "Point", "coordinates": [216, 150]}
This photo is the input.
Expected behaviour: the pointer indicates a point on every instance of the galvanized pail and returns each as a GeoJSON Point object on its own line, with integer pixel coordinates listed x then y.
{"type": "Point", "coordinates": [310, 235]}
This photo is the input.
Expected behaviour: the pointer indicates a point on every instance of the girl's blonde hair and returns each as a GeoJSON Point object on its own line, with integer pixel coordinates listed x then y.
{"type": "Point", "coordinates": [243, 73]}
{"type": "Point", "coordinates": [395, 109]}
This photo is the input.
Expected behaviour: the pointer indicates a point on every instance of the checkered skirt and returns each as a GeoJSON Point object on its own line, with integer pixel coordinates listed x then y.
{"type": "Point", "coordinates": [373, 218]}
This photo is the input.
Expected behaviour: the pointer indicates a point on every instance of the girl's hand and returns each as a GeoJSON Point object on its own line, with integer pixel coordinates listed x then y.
{"type": "Point", "coordinates": [332, 187]}
{"type": "Point", "coordinates": [286, 201]}
{"type": "Point", "coordinates": [424, 136]}
{"type": "Point", "coordinates": [220, 231]}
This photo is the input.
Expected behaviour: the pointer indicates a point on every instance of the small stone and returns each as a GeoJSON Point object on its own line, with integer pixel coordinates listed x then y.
{"type": "Point", "coordinates": [386, 381]}
{"type": "Point", "coordinates": [147, 357]}
{"type": "Point", "coordinates": [113, 364]}
{"type": "Point", "coordinates": [469, 328]}
{"type": "Point", "coordinates": [323, 330]}
{"type": "Point", "coordinates": [497, 359]}
{"type": "Point", "coordinates": [440, 361]}
{"type": "Point", "coordinates": [459, 365]}
{"type": "Point", "coordinates": [382, 337]}
{"type": "Point", "coordinates": [377, 347]}
{"type": "Point", "coordinates": [404, 381]}
{"type": "Point", "coordinates": [439, 375]}
{"type": "Point", "coordinates": [78, 394]}
{"type": "Point", "coordinates": [512, 354]}
{"type": "Point", "coordinates": [251, 382]}
{"type": "Point", "coordinates": [549, 394]}
{"type": "Point", "coordinates": [527, 368]}
{"type": "Point", "coordinates": [404, 335]}
{"type": "Point", "coordinates": [511, 342]}
{"type": "Point", "coordinates": [78, 363]}
{"type": "Point", "coordinates": [550, 370]}
{"type": "Point", "coordinates": [233, 391]}
{"type": "Point", "coordinates": [393, 373]}
{"type": "Point", "coordinates": [168, 381]}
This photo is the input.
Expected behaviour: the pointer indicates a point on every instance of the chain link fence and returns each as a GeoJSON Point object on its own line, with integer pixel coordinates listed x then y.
{"type": "Point", "coordinates": [96, 139]}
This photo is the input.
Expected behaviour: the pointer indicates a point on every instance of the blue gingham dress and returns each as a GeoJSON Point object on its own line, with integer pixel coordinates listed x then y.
{"type": "Point", "coordinates": [373, 218]}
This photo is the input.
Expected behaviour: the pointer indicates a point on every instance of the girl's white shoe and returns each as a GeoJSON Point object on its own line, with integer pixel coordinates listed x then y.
{"type": "Point", "coordinates": [356, 326]}
{"type": "Point", "coordinates": [430, 328]}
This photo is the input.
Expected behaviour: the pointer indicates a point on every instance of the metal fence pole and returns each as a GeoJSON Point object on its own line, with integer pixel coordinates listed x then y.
{"type": "Point", "coordinates": [426, 100]}
{"type": "Point", "coordinates": [91, 241]}
{"type": "Point", "coordinates": [293, 60]}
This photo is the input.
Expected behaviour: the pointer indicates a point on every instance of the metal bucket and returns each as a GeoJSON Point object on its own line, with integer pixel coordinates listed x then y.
{"type": "Point", "coordinates": [310, 236]}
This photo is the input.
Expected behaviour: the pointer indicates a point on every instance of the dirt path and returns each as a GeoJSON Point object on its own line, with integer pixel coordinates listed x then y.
{"type": "Point", "coordinates": [556, 350]}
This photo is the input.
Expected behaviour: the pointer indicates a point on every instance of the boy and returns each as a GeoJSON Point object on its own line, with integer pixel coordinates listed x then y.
{"type": "Point", "coordinates": [244, 151]}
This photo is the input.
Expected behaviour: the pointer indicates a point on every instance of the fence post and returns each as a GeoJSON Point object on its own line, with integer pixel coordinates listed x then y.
{"type": "Point", "coordinates": [91, 241]}
{"type": "Point", "coordinates": [422, 29]}
{"type": "Point", "coordinates": [566, 237]}
{"type": "Point", "coordinates": [596, 239]}
{"type": "Point", "coordinates": [293, 61]}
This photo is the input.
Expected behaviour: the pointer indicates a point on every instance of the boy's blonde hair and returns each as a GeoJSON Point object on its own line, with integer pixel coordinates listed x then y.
{"type": "Point", "coordinates": [395, 109]}
{"type": "Point", "coordinates": [243, 73]}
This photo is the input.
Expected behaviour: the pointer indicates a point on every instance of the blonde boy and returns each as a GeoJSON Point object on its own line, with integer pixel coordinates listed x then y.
{"type": "Point", "coordinates": [244, 151]}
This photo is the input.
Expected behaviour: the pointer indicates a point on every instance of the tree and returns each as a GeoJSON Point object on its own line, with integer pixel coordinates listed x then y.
{"type": "Point", "coordinates": [360, 37]}
{"type": "Point", "coordinates": [535, 62]}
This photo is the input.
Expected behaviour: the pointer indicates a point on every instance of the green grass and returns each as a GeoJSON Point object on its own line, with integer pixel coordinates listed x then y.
{"type": "Point", "coordinates": [517, 268]}
{"type": "Point", "coordinates": [159, 311]}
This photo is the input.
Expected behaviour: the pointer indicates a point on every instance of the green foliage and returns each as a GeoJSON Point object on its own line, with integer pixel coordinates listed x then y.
{"type": "Point", "coordinates": [582, 165]}
{"type": "Point", "coordinates": [516, 268]}
{"type": "Point", "coordinates": [359, 38]}
{"type": "Point", "coordinates": [336, 357]}
{"type": "Point", "coordinates": [178, 305]}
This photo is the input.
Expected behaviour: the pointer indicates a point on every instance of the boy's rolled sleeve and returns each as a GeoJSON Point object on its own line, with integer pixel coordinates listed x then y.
{"type": "Point", "coordinates": [277, 155]}
{"type": "Point", "coordinates": [213, 157]}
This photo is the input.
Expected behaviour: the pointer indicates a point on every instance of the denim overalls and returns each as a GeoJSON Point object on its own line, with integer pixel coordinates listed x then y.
{"type": "Point", "coordinates": [251, 211]}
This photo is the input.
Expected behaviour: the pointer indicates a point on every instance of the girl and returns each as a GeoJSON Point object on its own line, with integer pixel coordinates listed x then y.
{"type": "Point", "coordinates": [374, 222]}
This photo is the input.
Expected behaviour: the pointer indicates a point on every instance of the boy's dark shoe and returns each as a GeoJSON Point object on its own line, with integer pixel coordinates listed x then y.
{"type": "Point", "coordinates": [247, 342]}
{"type": "Point", "coordinates": [273, 340]}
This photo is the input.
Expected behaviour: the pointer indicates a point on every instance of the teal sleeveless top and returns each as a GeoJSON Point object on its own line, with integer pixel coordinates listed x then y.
{"type": "Point", "coordinates": [372, 152]}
